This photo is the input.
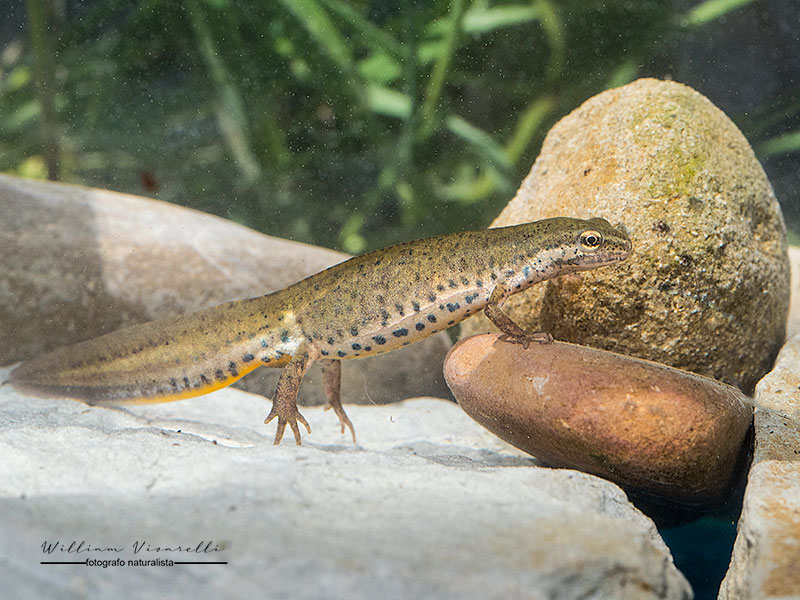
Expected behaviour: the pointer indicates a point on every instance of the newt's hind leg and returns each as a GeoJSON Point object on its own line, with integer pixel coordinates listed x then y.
{"type": "Point", "coordinates": [284, 402]}
{"type": "Point", "coordinates": [332, 375]}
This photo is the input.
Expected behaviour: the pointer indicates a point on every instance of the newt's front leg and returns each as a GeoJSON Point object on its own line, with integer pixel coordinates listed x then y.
{"type": "Point", "coordinates": [512, 332]}
{"type": "Point", "coordinates": [284, 402]}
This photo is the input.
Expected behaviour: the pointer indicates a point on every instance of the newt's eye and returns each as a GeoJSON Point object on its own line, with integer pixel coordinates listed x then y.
{"type": "Point", "coordinates": [590, 240]}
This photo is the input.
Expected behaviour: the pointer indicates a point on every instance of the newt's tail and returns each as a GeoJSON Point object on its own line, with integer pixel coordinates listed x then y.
{"type": "Point", "coordinates": [161, 361]}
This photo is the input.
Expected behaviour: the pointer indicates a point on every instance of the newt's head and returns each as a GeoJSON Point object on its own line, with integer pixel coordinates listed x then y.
{"type": "Point", "coordinates": [596, 243]}
{"type": "Point", "coordinates": [583, 244]}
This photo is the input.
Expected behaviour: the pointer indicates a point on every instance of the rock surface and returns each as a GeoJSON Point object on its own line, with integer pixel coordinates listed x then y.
{"type": "Point", "coordinates": [766, 554]}
{"type": "Point", "coordinates": [793, 320]}
{"type": "Point", "coordinates": [707, 286]}
{"type": "Point", "coordinates": [635, 422]}
{"type": "Point", "coordinates": [77, 262]}
{"type": "Point", "coordinates": [430, 505]}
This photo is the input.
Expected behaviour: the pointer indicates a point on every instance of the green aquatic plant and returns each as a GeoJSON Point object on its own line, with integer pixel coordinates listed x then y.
{"type": "Point", "coordinates": [339, 122]}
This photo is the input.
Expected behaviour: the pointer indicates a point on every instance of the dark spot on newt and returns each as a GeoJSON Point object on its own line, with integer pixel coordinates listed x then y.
{"type": "Point", "coordinates": [452, 283]}
{"type": "Point", "coordinates": [220, 375]}
{"type": "Point", "coordinates": [464, 280]}
{"type": "Point", "coordinates": [356, 346]}
{"type": "Point", "coordinates": [420, 326]}
{"type": "Point", "coordinates": [493, 276]}
{"type": "Point", "coordinates": [400, 332]}
{"type": "Point", "coordinates": [247, 357]}
{"type": "Point", "coordinates": [379, 339]}
{"type": "Point", "coordinates": [285, 336]}
{"type": "Point", "coordinates": [330, 341]}
{"type": "Point", "coordinates": [450, 322]}
{"type": "Point", "coordinates": [354, 330]}
{"type": "Point", "coordinates": [440, 287]}
{"type": "Point", "coordinates": [232, 369]}
{"type": "Point", "coordinates": [186, 382]}
{"type": "Point", "coordinates": [432, 318]}
{"type": "Point", "coordinates": [204, 379]}
{"type": "Point", "coordinates": [173, 382]}
{"type": "Point", "coordinates": [367, 348]}
{"type": "Point", "coordinates": [415, 305]}
{"type": "Point", "coordinates": [340, 354]}
{"type": "Point", "coordinates": [453, 306]}
{"type": "Point", "coordinates": [400, 310]}
{"type": "Point", "coordinates": [478, 283]}
{"type": "Point", "coordinates": [324, 352]}
{"type": "Point", "coordinates": [432, 297]}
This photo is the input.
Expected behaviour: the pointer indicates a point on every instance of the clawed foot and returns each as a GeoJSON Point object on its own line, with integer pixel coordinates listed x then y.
{"type": "Point", "coordinates": [527, 338]}
{"type": "Point", "coordinates": [344, 420]}
{"type": "Point", "coordinates": [291, 417]}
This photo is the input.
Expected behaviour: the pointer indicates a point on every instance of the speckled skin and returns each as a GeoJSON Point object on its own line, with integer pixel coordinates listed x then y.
{"type": "Point", "coordinates": [369, 304]}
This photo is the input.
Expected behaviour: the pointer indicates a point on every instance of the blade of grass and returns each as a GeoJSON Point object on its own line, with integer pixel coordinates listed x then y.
{"type": "Point", "coordinates": [483, 143]}
{"type": "Point", "coordinates": [528, 124]}
{"type": "Point", "coordinates": [39, 18]}
{"type": "Point", "coordinates": [478, 20]}
{"type": "Point", "coordinates": [371, 34]}
{"type": "Point", "coordinates": [711, 10]}
{"type": "Point", "coordinates": [782, 144]}
{"type": "Point", "coordinates": [388, 102]}
{"type": "Point", "coordinates": [318, 24]}
{"type": "Point", "coordinates": [433, 93]}
{"type": "Point", "coordinates": [554, 31]}
{"type": "Point", "coordinates": [228, 106]}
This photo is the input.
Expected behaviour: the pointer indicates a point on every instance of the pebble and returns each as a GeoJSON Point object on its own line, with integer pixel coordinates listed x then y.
{"type": "Point", "coordinates": [640, 424]}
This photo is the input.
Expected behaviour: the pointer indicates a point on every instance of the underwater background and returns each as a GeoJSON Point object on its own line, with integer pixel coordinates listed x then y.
{"type": "Point", "coordinates": [357, 124]}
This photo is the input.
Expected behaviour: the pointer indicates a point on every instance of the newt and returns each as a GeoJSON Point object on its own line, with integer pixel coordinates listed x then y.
{"type": "Point", "coordinates": [367, 305]}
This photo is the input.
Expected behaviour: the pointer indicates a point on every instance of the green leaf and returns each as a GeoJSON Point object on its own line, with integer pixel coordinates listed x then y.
{"type": "Point", "coordinates": [380, 68]}
{"type": "Point", "coordinates": [480, 20]}
{"type": "Point", "coordinates": [388, 102]}
{"type": "Point", "coordinates": [623, 74]}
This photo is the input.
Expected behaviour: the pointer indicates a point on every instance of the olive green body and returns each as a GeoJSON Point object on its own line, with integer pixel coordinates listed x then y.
{"type": "Point", "coordinates": [369, 304]}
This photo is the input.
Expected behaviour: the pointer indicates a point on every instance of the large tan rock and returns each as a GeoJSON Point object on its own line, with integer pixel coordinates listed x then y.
{"type": "Point", "coordinates": [638, 423]}
{"type": "Point", "coordinates": [766, 554]}
{"type": "Point", "coordinates": [707, 286]}
{"type": "Point", "coordinates": [77, 262]}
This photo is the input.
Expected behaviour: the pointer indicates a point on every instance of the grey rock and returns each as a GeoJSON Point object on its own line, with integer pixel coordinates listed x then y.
{"type": "Point", "coordinates": [78, 262]}
{"type": "Point", "coordinates": [766, 554]}
{"type": "Point", "coordinates": [429, 505]}
{"type": "Point", "coordinates": [706, 288]}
